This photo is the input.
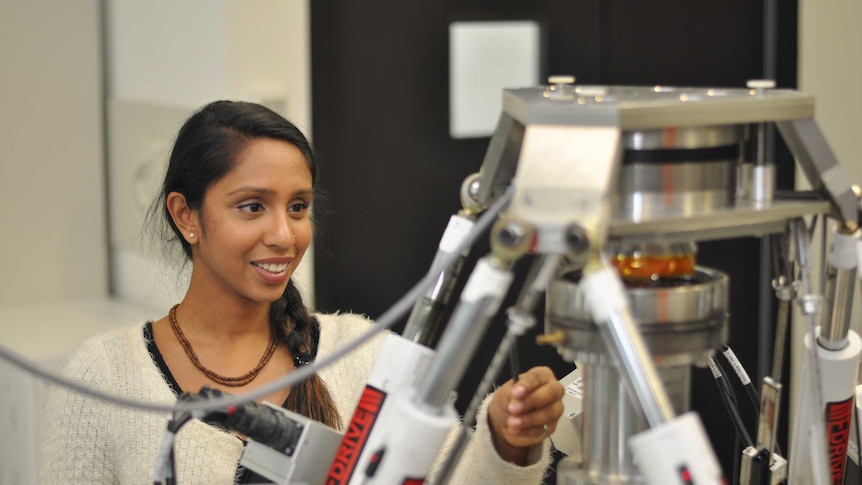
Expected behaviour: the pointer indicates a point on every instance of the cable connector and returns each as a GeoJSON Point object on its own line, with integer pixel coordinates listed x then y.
{"type": "Point", "coordinates": [265, 424]}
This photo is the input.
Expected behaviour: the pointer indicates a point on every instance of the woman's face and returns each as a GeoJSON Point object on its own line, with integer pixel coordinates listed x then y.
{"type": "Point", "coordinates": [255, 224]}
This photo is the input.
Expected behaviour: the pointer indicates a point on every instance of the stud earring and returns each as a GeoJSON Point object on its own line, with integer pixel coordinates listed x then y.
{"type": "Point", "coordinates": [191, 235]}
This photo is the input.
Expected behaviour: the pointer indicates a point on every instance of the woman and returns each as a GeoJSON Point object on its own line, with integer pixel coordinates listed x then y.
{"type": "Point", "coordinates": [236, 197]}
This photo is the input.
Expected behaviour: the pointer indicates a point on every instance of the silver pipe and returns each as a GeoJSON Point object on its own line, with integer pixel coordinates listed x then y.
{"type": "Point", "coordinates": [537, 281]}
{"type": "Point", "coordinates": [810, 308]}
{"type": "Point", "coordinates": [480, 299]}
{"type": "Point", "coordinates": [783, 260]}
{"type": "Point", "coordinates": [459, 341]}
{"type": "Point", "coordinates": [833, 334]}
{"type": "Point", "coordinates": [469, 421]}
{"type": "Point", "coordinates": [780, 339]}
{"type": "Point", "coordinates": [619, 457]}
{"type": "Point", "coordinates": [606, 299]}
{"type": "Point", "coordinates": [764, 300]}
{"type": "Point", "coordinates": [629, 353]}
{"type": "Point", "coordinates": [610, 419]}
{"type": "Point", "coordinates": [597, 388]}
{"type": "Point", "coordinates": [423, 325]}
{"type": "Point", "coordinates": [770, 39]}
{"type": "Point", "coordinates": [760, 153]}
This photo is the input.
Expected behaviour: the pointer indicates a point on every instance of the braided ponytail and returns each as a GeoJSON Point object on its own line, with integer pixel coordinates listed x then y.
{"type": "Point", "coordinates": [290, 321]}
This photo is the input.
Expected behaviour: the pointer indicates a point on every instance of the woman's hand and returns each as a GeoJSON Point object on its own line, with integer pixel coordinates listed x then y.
{"type": "Point", "coordinates": [524, 413]}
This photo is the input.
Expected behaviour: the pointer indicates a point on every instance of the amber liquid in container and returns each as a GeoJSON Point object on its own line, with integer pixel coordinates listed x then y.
{"type": "Point", "coordinates": [639, 266]}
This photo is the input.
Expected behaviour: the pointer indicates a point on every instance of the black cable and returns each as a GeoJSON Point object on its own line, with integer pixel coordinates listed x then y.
{"type": "Point", "coordinates": [746, 382]}
{"type": "Point", "coordinates": [742, 375]}
{"type": "Point", "coordinates": [729, 399]}
{"type": "Point", "coordinates": [730, 403]}
{"type": "Point", "coordinates": [513, 363]}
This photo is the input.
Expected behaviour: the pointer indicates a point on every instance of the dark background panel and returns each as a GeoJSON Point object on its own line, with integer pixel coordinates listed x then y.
{"type": "Point", "coordinates": [381, 114]}
{"type": "Point", "coordinates": [684, 43]}
{"type": "Point", "coordinates": [392, 173]}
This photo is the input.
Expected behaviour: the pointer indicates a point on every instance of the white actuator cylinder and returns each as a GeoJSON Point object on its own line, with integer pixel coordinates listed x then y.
{"type": "Point", "coordinates": [374, 443]}
{"type": "Point", "coordinates": [838, 371]}
{"type": "Point", "coordinates": [407, 443]}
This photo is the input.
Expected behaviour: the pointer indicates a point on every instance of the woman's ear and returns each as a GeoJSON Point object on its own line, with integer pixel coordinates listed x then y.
{"type": "Point", "coordinates": [183, 216]}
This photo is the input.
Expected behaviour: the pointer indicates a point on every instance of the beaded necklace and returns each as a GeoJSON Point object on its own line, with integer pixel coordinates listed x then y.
{"type": "Point", "coordinates": [226, 381]}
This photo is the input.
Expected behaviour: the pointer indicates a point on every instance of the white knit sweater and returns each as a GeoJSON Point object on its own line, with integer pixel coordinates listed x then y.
{"type": "Point", "coordinates": [86, 441]}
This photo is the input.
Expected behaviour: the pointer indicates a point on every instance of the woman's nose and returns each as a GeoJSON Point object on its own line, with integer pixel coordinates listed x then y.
{"type": "Point", "coordinates": [280, 232]}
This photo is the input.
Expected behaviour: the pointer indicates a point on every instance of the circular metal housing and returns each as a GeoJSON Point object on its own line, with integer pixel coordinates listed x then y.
{"type": "Point", "coordinates": [678, 171]}
{"type": "Point", "coordinates": [681, 319]}
{"type": "Point", "coordinates": [684, 137]}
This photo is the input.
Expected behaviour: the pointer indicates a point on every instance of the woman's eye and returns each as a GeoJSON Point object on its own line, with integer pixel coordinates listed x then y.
{"type": "Point", "coordinates": [298, 207]}
{"type": "Point", "coordinates": [252, 207]}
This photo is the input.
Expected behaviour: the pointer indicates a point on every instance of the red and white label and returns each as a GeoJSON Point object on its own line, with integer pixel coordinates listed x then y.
{"type": "Point", "coordinates": [838, 416]}
{"type": "Point", "coordinates": [356, 436]}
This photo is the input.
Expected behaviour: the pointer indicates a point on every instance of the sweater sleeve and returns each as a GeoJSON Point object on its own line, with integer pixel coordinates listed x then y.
{"type": "Point", "coordinates": [480, 464]}
{"type": "Point", "coordinates": [74, 445]}
{"type": "Point", "coordinates": [86, 441]}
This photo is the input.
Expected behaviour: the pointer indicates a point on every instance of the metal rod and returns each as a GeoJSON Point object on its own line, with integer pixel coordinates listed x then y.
{"type": "Point", "coordinates": [766, 333]}
{"type": "Point", "coordinates": [782, 324]}
{"type": "Point", "coordinates": [767, 426]}
{"type": "Point", "coordinates": [783, 257]}
{"type": "Point", "coordinates": [425, 322]}
{"type": "Point", "coordinates": [628, 351]}
{"type": "Point", "coordinates": [479, 301]}
{"type": "Point", "coordinates": [770, 39]}
{"type": "Point", "coordinates": [810, 308]}
{"type": "Point", "coordinates": [469, 421]}
{"type": "Point", "coordinates": [833, 334]}
{"type": "Point", "coordinates": [520, 318]}
{"type": "Point", "coordinates": [606, 299]}
{"type": "Point", "coordinates": [840, 284]}
{"type": "Point", "coordinates": [462, 336]}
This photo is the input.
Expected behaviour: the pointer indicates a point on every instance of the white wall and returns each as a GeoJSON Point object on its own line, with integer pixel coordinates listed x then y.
{"type": "Point", "coordinates": [830, 67]}
{"type": "Point", "coordinates": [53, 243]}
{"type": "Point", "coordinates": [167, 58]}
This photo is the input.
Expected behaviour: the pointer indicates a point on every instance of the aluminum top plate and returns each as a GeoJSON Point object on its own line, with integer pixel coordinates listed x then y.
{"type": "Point", "coordinates": [650, 107]}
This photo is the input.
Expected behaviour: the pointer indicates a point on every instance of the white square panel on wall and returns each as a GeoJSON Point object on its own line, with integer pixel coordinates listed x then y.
{"type": "Point", "coordinates": [486, 57]}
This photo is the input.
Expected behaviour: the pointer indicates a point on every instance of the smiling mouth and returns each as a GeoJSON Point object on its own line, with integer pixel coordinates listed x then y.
{"type": "Point", "coordinates": [272, 268]}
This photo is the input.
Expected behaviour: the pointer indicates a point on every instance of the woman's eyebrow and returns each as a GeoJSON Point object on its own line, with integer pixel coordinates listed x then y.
{"type": "Point", "coordinates": [253, 190]}
{"type": "Point", "coordinates": [264, 191]}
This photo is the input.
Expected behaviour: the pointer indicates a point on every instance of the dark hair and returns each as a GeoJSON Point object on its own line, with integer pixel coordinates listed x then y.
{"type": "Point", "coordinates": [205, 151]}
